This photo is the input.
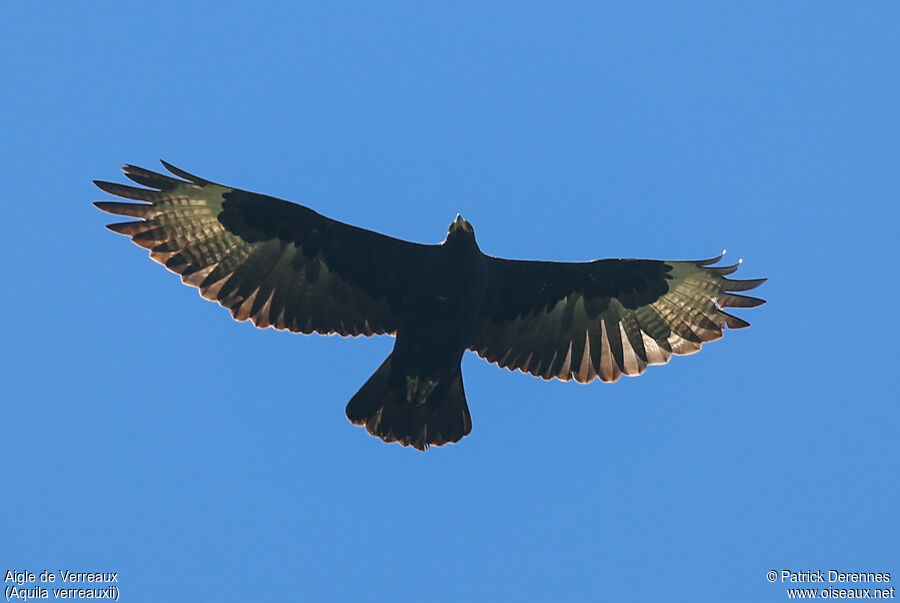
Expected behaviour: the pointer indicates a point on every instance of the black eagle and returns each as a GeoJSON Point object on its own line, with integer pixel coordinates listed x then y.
{"type": "Point", "coordinates": [285, 266]}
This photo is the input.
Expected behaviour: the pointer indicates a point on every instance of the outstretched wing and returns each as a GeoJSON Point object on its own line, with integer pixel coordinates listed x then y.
{"type": "Point", "coordinates": [604, 318]}
{"type": "Point", "coordinates": [276, 263]}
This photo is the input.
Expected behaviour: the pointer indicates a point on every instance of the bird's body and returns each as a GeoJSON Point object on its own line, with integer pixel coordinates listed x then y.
{"type": "Point", "coordinates": [283, 265]}
{"type": "Point", "coordinates": [423, 397]}
{"type": "Point", "coordinates": [439, 307]}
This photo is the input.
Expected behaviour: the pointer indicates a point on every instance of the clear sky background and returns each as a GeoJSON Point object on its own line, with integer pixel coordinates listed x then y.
{"type": "Point", "coordinates": [145, 432]}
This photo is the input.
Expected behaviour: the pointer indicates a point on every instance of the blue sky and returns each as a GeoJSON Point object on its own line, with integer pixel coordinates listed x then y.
{"type": "Point", "coordinates": [147, 433]}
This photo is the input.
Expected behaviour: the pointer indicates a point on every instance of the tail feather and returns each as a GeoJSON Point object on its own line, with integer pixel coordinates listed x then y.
{"type": "Point", "coordinates": [386, 413]}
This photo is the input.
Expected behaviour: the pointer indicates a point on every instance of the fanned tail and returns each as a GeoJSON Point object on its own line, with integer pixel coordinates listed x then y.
{"type": "Point", "coordinates": [386, 413]}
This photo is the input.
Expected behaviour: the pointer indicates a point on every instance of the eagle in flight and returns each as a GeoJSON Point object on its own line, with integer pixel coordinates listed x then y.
{"type": "Point", "coordinates": [283, 265]}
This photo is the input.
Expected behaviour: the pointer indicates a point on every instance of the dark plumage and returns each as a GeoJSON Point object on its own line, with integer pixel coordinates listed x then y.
{"type": "Point", "coordinates": [285, 266]}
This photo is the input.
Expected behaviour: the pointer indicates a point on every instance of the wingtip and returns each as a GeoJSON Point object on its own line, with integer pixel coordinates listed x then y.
{"type": "Point", "coordinates": [182, 174]}
{"type": "Point", "coordinates": [724, 270]}
{"type": "Point", "coordinates": [105, 186]}
{"type": "Point", "coordinates": [128, 229]}
{"type": "Point", "coordinates": [132, 210]}
{"type": "Point", "coordinates": [710, 261]}
{"type": "Point", "coordinates": [171, 168]}
{"type": "Point", "coordinates": [734, 322]}
{"type": "Point", "coordinates": [743, 284]}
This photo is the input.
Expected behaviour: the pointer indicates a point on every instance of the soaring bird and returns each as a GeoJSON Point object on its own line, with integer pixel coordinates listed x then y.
{"type": "Point", "coordinates": [282, 265]}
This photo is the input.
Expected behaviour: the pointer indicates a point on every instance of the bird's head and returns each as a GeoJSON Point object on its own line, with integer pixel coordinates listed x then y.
{"type": "Point", "coordinates": [460, 231]}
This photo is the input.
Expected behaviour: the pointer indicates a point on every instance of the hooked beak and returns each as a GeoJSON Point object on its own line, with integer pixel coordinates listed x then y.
{"type": "Point", "coordinates": [459, 222]}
